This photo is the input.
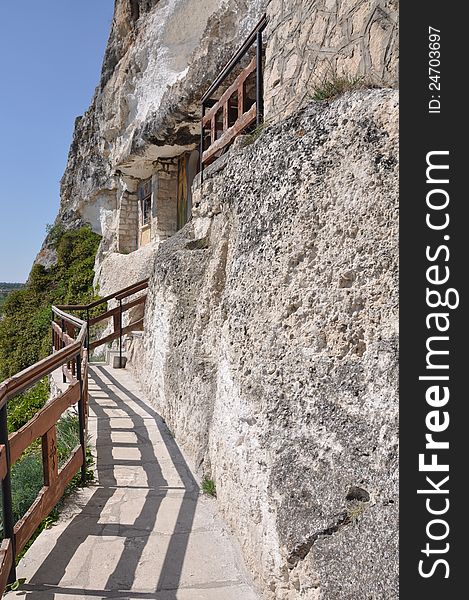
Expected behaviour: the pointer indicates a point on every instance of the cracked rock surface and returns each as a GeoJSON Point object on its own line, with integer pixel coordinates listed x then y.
{"type": "Point", "coordinates": [270, 347]}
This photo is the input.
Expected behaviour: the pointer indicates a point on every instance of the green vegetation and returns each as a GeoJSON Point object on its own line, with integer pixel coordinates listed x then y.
{"type": "Point", "coordinates": [13, 587]}
{"type": "Point", "coordinates": [25, 326]}
{"type": "Point", "coordinates": [255, 134]}
{"type": "Point", "coordinates": [5, 289]}
{"type": "Point", "coordinates": [355, 511]}
{"type": "Point", "coordinates": [330, 88]}
{"type": "Point", "coordinates": [25, 338]}
{"type": "Point", "coordinates": [24, 407]}
{"type": "Point", "coordinates": [208, 487]}
{"type": "Point", "coordinates": [68, 437]}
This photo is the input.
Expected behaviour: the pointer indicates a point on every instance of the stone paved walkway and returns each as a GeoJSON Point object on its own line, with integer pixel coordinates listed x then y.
{"type": "Point", "coordinates": [143, 530]}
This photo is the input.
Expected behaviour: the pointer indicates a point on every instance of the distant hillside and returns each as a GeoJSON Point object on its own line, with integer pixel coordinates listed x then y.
{"type": "Point", "coordinates": [7, 288]}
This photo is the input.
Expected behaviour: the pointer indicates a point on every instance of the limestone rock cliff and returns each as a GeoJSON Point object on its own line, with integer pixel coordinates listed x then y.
{"type": "Point", "coordinates": [270, 347]}
{"type": "Point", "coordinates": [149, 53]}
{"type": "Point", "coordinates": [160, 58]}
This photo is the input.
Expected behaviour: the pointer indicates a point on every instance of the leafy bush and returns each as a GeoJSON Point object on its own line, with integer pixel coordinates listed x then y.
{"type": "Point", "coordinates": [23, 408]}
{"type": "Point", "coordinates": [25, 326]}
{"type": "Point", "coordinates": [209, 487]}
{"type": "Point", "coordinates": [5, 290]}
{"type": "Point", "coordinates": [54, 233]}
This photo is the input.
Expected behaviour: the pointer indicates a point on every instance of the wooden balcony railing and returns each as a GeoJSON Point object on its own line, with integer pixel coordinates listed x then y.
{"type": "Point", "coordinates": [238, 108]}
{"type": "Point", "coordinates": [71, 343]}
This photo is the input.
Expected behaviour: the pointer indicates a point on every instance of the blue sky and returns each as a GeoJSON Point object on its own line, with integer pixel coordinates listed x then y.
{"type": "Point", "coordinates": [51, 53]}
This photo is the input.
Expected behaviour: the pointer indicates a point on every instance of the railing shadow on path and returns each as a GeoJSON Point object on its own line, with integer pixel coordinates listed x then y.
{"type": "Point", "coordinates": [121, 582]}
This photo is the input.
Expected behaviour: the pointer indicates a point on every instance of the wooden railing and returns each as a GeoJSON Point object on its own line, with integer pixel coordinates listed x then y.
{"type": "Point", "coordinates": [71, 343]}
{"type": "Point", "coordinates": [116, 313]}
{"type": "Point", "coordinates": [235, 110]}
{"type": "Point", "coordinates": [42, 425]}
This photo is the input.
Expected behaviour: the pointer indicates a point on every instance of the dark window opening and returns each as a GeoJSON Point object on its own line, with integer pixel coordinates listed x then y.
{"type": "Point", "coordinates": [219, 124]}
{"type": "Point", "coordinates": [144, 194]}
{"type": "Point", "coordinates": [233, 112]}
{"type": "Point", "coordinates": [249, 95]}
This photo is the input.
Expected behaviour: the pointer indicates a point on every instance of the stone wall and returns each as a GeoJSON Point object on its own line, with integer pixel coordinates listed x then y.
{"type": "Point", "coordinates": [270, 347]}
{"type": "Point", "coordinates": [163, 221]}
{"type": "Point", "coordinates": [165, 199]}
{"type": "Point", "coordinates": [310, 42]}
{"type": "Point", "coordinates": [128, 219]}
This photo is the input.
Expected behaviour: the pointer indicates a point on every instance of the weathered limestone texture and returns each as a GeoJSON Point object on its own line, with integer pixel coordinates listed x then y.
{"type": "Point", "coordinates": [310, 42]}
{"type": "Point", "coordinates": [116, 271]}
{"type": "Point", "coordinates": [270, 347]}
{"type": "Point", "coordinates": [161, 57]}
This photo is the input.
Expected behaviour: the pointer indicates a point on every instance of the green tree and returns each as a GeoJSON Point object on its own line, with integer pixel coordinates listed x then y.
{"type": "Point", "coordinates": [25, 334]}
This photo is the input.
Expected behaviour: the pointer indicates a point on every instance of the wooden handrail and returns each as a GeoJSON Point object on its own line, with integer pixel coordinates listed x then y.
{"type": "Point", "coordinates": [42, 421]}
{"type": "Point", "coordinates": [123, 293]}
{"type": "Point", "coordinates": [115, 311]}
{"type": "Point", "coordinates": [229, 134]}
{"type": "Point", "coordinates": [138, 287]}
{"type": "Point", "coordinates": [237, 56]}
{"type": "Point", "coordinates": [245, 118]}
{"type": "Point", "coordinates": [28, 377]}
{"type": "Point", "coordinates": [59, 311]}
{"type": "Point", "coordinates": [62, 338]}
{"type": "Point", "coordinates": [42, 425]}
{"type": "Point", "coordinates": [6, 560]}
{"type": "Point", "coordinates": [70, 351]}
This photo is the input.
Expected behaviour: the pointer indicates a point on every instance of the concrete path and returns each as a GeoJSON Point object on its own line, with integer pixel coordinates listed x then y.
{"type": "Point", "coordinates": [143, 530]}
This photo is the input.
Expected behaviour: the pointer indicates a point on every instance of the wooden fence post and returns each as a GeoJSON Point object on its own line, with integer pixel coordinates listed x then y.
{"type": "Point", "coordinates": [64, 378]}
{"type": "Point", "coordinates": [8, 524]}
{"type": "Point", "coordinates": [81, 418]}
{"type": "Point", "coordinates": [120, 333]}
{"type": "Point", "coordinates": [50, 459]}
{"type": "Point", "coordinates": [259, 81]}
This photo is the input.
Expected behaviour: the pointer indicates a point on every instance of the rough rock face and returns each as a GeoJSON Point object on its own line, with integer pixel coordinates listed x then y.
{"type": "Point", "coordinates": [163, 54]}
{"type": "Point", "coordinates": [310, 42]}
{"type": "Point", "coordinates": [126, 16]}
{"type": "Point", "coordinates": [161, 57]}
{"type": "Point", "coordinates": [116, 271]}
{"type": "Point", "coordinates": [270, 347]}
{"type": "Point", "coordinates": [158, 51]}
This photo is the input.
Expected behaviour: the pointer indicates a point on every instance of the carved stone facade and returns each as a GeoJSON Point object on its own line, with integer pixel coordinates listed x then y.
{"type": "Point", "coordinates": [310, 42]}
{"type": "Point", "coordinates": [127, 218]}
